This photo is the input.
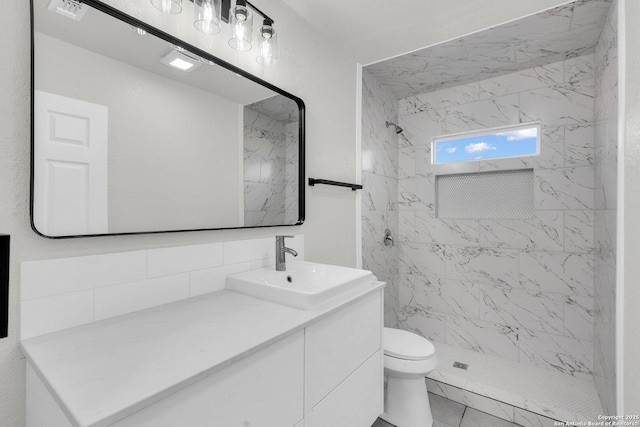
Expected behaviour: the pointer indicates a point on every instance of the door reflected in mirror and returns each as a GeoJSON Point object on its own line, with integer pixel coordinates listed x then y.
{"type": "Point", "coordinates": [133, 134]}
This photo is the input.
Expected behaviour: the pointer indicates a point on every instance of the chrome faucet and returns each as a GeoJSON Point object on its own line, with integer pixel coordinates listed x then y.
{"type": "Point", "coordinates": [281, 249]}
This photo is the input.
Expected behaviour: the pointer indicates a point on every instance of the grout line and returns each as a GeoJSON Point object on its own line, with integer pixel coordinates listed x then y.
{"type": "Point", "coordinates": [463, 414]}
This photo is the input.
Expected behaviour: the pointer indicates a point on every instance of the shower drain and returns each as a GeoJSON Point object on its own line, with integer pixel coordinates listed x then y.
{"type": "Point", "coordinates": [460, 365]}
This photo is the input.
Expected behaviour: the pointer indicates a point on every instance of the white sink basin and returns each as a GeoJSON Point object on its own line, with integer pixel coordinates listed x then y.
{"type": "Point", "coordinates": [305, 285]}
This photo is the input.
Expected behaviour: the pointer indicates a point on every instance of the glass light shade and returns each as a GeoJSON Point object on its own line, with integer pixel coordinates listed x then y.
{"type": "Point", "coordinates": [168, 6]}
{"type": "Point", "coordinates": [207, 16]}
{"type": "Point", "coordinates": [241, 25]}
{"type": "Point", "coordinates": [267, 45]}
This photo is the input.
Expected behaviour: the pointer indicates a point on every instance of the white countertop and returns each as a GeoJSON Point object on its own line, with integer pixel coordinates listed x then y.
{"type": "Point", "coordinates": [102, 372]}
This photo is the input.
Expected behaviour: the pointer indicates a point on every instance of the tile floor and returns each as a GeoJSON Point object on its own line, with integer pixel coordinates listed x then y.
{"type": "Point", "coordinates": [447, 413]}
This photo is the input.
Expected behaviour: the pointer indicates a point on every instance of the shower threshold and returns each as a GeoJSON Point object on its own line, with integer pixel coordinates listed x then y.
{"type": "Point", "coordinates": [526, 395]}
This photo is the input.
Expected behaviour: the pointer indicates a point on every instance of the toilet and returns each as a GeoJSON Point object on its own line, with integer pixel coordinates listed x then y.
{"type": "Point", "coordinates": [408, 358]}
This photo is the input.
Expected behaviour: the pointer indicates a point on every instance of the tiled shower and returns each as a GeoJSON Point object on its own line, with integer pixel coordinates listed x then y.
{"type": "Point", "coordinates": [270, 156]}
{"type": "Point", "coordinates": [537, 291]}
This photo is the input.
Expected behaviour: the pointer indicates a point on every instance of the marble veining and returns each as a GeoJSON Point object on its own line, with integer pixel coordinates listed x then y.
{"type": "Point", "coordinates": [496, 286]}
{"type": "Point", "coordinates": [269, 162]}
{"type": "Point", "coordinates": [442, 295]}
{"type": "Point", "coordinates": [569, 31]}
{"type": "Point", "coordinates": [557, 272]}
{"type": "Point", "coordinates": [422, 322]}
{"type": "Point", "coordinates": [544, 232]}
{"type": "Point", "coordinates": [536, 311]}
{"type": "Point", "coordinates": [568, 188]}
{"type": "Point", "coordinates": [565, 354]}
{"type": "Point", "coordinates": [380, 165]}
{"type": "Point", "coordinates": [538, 291]}
{"type": "Point", "coordinates": [483, 265]}
{"type": "Point", "coordinates": [423, 259]}
{"type": "Point", "coordinates": [578, 231]}
{"type": "Point", "coordinates": [490, 338]}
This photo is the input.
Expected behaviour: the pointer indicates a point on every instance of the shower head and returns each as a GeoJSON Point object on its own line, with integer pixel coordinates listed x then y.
{"type": "Point", "coordinates": [398, 128]}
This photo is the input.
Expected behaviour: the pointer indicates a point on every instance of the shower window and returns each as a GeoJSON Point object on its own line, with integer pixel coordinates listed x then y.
{"type": "Point", "coordinates": [497, 143]}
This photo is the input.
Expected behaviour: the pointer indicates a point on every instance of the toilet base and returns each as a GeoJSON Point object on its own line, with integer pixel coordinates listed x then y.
{"type": "Point", "coordinates": [406, 402]}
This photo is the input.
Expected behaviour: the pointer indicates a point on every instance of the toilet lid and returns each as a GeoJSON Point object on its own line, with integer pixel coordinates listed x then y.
{"type": "Point", "coordinates": [406, 345]}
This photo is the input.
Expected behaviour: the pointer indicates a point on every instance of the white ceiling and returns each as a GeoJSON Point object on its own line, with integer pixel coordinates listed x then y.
{"type": "Point", "coordinates": [373, 30]}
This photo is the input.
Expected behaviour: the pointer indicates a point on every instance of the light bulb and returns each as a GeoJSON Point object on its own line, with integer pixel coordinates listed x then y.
{"type": "Point", "coordinates": [168, 6]}
{"type": "Point", "coordinates": [207, 16]}
{"type": "Point", "coordinates": [267, 44]}
{"type": "Point", "coordinates": [241, 26]}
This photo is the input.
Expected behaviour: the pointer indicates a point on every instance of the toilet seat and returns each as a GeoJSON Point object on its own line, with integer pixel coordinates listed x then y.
{"type": "Point", "coordinates": [405, 345]}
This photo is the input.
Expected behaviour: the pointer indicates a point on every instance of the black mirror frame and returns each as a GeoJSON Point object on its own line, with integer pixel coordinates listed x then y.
{"type": "Point", "coordinates": [117, 14]}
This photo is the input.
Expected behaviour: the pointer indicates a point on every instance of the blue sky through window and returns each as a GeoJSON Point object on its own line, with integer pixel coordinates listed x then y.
{"type": "Point", "coordinates": [522, 141]}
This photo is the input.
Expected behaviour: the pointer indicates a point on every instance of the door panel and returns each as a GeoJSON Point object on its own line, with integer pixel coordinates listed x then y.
{"type": "Point", "coordinates": [70, 166]}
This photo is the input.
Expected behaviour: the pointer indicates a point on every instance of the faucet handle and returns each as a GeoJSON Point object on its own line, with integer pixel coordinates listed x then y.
{"type": "Point", "coordinates": [285, 237]}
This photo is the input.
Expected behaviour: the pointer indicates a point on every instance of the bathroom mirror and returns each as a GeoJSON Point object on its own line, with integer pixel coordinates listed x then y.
{"type": "Point", "coordinates": [135, 131]}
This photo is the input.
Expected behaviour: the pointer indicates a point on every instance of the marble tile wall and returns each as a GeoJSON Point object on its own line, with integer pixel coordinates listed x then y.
{"type": "Point", "coordinates": [516, 289]}
{"type": "Point", "coordinates": [265, 161]}
{"type": "Point", "coordinates": [380, 189]}
{"type": "Point", "coordinates": [292, 156]}
{"type": "Point", "coordinates": [570, 29]}
{"type": "Point", "coordinates": [606, 152]}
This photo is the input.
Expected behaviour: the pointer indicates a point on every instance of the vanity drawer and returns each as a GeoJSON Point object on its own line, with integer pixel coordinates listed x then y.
{"type": "Point", "coordinates": [355, 402]}
{"type": "Point", "coordinates": [338, 345]}
{"type": "Point", "coordinates": [265, 389]}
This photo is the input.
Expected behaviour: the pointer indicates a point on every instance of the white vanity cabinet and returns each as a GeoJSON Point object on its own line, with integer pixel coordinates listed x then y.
{"type": "Point", "coordinates": [344, 366]}
{"type": "Point", "coordinates": [325, 370]}
{"type": "Point", "coordinates": [264, 389]}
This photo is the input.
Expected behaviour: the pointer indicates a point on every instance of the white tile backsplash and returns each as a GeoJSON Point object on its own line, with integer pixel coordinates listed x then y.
{"type": "Point", "coordinates": [114, 300]}
{"type": "Point", "coordinates": [213, 279]}
{"type": "Point", "coordinates": [58, 276]}
{"type": "Point", "coordinates": [61, 293]}
{"type": "Point", "coordinates": [49, 314]}
{"type": "Point", "coordinates": [180, 259]}
{"type": "Point", "coordinates": [249, 250]}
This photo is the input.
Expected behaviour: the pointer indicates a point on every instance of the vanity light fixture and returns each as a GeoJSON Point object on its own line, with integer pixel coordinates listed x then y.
{"type": "Point", "coordinates": [73, 9]}
{"type": "Point", "coordinates": [168, 6]}
{"type": "Point", "coordinates": [267, 44]}
{"type": "Point", "coordinates": [241, 24]}
{"type": "Point", "coordinates": [139, 31]}
{"type": "Point", "coordinates": [181, 61]}
{"type": "Point", "coordinates": [209, 15]}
